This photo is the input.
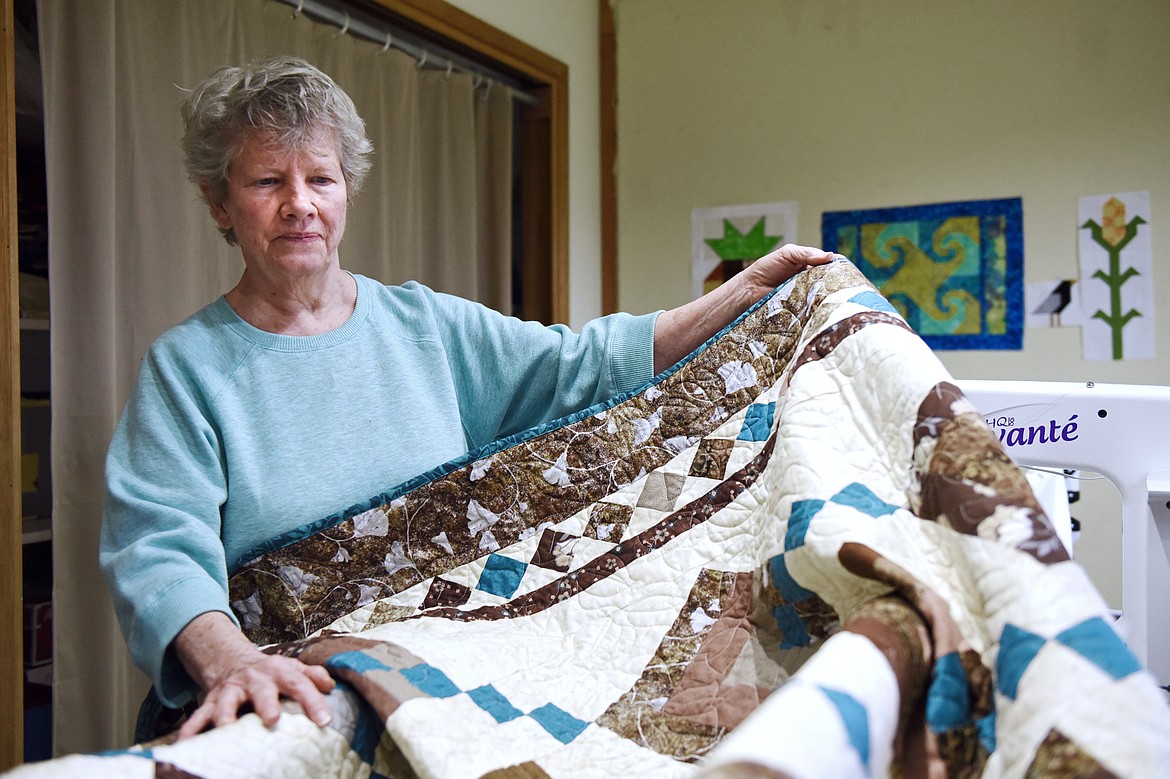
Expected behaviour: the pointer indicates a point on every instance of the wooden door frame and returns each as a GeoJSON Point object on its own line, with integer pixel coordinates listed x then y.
{"type": "Point", "coordinates": [11, 603]}
{"type": "Point", "coordinates": [544, 177]}
{"type": "Point", "coordinates": [607, 118]}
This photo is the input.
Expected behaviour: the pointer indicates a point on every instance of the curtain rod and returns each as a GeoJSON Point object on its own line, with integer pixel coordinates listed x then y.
{"type": "Point", "coordinates": [435, 58]}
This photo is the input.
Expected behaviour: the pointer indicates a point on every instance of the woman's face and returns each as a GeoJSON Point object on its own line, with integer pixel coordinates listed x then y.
{"type": "Point", "coordinates": [286, 206]}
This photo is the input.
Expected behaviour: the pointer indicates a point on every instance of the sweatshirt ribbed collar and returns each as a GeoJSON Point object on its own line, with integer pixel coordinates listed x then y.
{"type": "Point", "coordinates": [298, 343]}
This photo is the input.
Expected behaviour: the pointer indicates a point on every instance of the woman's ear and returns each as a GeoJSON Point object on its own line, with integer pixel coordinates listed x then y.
{"type": "Point", "coordinates": [218, 212]}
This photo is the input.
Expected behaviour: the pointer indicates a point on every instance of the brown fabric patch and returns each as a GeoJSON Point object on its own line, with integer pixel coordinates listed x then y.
{"type": "Point", "coordinates": [860, 560]}
{"type": "Point", "coordinates": [555, 550]}
{"type": "Point", "coordinates": [318, 649]}
{"type": "Point", "coordinates": [169, 771]}
{"type": "Point", "coordinates": [384, 613]}
{"type": "Point", "coordinates": [900, 633]}
{"type": "Point", "coordinates": [608, 521]}
{"type": "Point", "coordinates": [639, 715]}
{"type": "Point", "coordinates": [1060, 757]}
{"type": "Point", "coordinates": [959, 748]}
{"type": "Point", "coordinates": [980, 683]}
{"type": "Point", "coordinates": [446, 593]}
{"type": "Point", "coordinates": [527, 770]}
{"type": "Point", "coordinates": [969, 482]}
{"type": "Point", "coordinates": [661, 491]}
{"type": "Point", "coordinates": [819, 619]}
{"type": "Point", "coordinates": [701, 695]}
{"type": "Point", "coordinates": [711, 458]}
{"type": "Point", "coordinates": [961, 751]}
{"type": "Point", "coordinates": [945, 636]}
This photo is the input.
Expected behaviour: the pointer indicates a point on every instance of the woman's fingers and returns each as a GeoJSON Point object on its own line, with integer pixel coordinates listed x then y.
{"type": "Point", "coordinates": [199, 719]}
{"type": "Point", "coordinates": [320, 677]}
{"type": "Point", "coordinates": [262, 683]}
{"type": "Point", "coordinates": [777, 267]}
{"type": "Point", "coordinates": [228, 703]}
{"type": "Point", "coordinates": [306, 686]}
{"type": "Point", "coordinates": [796, 257]}
{"type": "Point", "coordinates": [264, 693]}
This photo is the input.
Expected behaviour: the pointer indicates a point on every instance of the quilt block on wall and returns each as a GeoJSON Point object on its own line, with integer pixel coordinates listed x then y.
{"type": "Point", "coordinates": [954, 271]}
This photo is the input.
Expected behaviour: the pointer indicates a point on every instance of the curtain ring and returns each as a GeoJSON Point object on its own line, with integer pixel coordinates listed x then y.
{"type": "Point", "coordinates": [476, 82]}
{"type": "Point", "coordinates": [449, 67]}
{"type": "Point", "coordinates": [423, 61]}
{"type": "Point", "coordinates": [300, 7]}
{"type": "Point", "coordinates": [345, 27]}
{"type": "Point", "coordinates": [389, 40]}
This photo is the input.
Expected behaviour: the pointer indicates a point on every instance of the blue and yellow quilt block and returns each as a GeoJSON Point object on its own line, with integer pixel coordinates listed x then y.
{"type": "Point", "coordinates": [954, 271]}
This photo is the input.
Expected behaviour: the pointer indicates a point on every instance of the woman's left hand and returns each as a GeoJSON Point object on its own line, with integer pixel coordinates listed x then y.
{"type": "Point", "coordinates": [233, 671]}
{"type": "Point", "coordinates": [777, 267]}
{"type": "Point", "coordinates": [680, 330]}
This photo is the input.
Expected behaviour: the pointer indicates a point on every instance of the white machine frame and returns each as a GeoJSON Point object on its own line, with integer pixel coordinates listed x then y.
{"type": "Point", "coordinates": [1122, 432]}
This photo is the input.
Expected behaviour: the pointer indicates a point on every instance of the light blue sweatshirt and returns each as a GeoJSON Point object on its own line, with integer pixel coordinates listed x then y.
{"type": "Point", "coordinates": [233, 436]}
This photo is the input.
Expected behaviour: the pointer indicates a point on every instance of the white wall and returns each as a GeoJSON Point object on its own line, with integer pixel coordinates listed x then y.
{"type": "Point", "coordinates": [848, 104]}
{"type": "Point", "coordinates": [567, 30]}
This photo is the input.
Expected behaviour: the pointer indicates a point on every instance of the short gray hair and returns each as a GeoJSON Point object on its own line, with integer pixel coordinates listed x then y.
{"type": "Point", "coordinates": [283, 96]}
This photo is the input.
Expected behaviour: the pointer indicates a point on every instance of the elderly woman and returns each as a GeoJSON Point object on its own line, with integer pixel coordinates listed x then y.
{"type": "Point", "coordinates": [244, 422]}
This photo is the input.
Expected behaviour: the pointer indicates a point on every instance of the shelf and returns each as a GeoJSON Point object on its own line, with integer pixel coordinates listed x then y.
{"type": "Point", "coordinates": [34, 324]}
{"type": "Point", "coordinates": [36, 529]}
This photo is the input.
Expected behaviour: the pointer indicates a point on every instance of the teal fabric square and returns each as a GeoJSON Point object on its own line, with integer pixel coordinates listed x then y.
{"type": "Point", "coordinates": [501, 575]}
{"type": "Point", "coordinates": [1098, 643]}
{"type": "Point", "coordinates": [1017, 648]}
{"type": "Point", "coordinates": [782, 580]}
{"type": "Point", "coordinates": [986, 728]}
{"type": "Point", "coordinates": [948, 701]}
{"type": "Point", "coordinates": [875, 301]}
{"type": "Point", "coordinates": [792, 628]}
{"type": "Point", "coordinates": [430, 680]}
{"type": "Point", "coordinates": [367, 731]}
{"type": "Point", "coordinates": [855, 718]}
{"type": "Point", "coordinates": [863, 499]}
{"type": "Point", "coordinates": [757, 423]}
{"type": "Point", "coordinates": [802, 515]}
{"type": "Point", "coordinates": [494, 703]}
{"type": "Point", "coordinates": [147, 754]}
{"type": "Point", "coordinates": [560, 724]}
{"type": "Point", "coordinates": [356, 661]}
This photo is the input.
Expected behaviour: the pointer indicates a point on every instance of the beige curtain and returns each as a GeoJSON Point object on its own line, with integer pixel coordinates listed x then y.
{"type": "Point", "coordinates": [132, 251]}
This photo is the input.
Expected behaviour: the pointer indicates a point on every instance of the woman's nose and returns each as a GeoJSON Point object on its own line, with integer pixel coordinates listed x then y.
{"type": "Point", "coordinates": [298, 201]}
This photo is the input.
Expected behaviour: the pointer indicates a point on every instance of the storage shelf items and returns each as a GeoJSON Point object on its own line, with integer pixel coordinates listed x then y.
{"type": "Point", "coordinates": [36, 529]}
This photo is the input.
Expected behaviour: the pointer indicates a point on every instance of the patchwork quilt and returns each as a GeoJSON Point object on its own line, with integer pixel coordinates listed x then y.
{"type": "Point", "coordinates": [800, 552]}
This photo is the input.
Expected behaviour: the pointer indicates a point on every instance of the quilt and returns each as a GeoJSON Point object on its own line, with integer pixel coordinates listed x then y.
{"type": "Point", "coordinates": [798, 553]}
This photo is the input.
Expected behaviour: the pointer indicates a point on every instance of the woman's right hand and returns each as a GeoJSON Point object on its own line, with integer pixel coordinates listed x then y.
{"type": "Point", "coordinates": [233, 672]}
